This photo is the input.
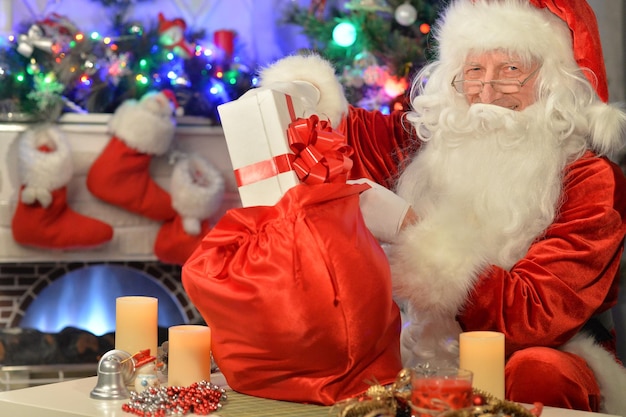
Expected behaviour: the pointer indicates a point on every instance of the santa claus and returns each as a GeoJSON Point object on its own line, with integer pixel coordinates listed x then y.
{"type": "Point", "coordinates": [517, 216]}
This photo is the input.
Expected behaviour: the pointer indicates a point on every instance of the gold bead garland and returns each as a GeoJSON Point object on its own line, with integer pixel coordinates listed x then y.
{"type": "Point", "coordinates": [394, 401]}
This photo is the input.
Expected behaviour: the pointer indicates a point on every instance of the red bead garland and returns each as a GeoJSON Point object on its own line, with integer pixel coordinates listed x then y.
{"type": "Point", "coordinates": [200, 398]}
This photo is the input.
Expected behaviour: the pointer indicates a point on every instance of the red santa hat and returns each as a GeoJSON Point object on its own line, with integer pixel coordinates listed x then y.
{"type": "Point", "coordinates": [587, 47]}
{"type": "Point", "coordinates": [563, 34]}
{"type": "Point", "coordinates": [165, 24]}
{"type": "Point", "coordinates": [559, 30]}
{"type": "Point", "coordinates": [171, 96]}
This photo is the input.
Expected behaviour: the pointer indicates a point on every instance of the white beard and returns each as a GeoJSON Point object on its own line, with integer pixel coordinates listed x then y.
{"type": "Point", "coordinates": [497, 170]}
{"type": "Point", "coordinates": [484, 187]}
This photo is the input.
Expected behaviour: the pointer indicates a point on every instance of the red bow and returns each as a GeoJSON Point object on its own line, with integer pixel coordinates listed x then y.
{"type": "Point", "coordinates": [321, 153]}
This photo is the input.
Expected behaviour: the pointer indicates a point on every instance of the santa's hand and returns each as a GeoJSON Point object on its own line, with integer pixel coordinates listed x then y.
{"type": "Point", "coordinates": [384, 211]}
{"type": "Point", "coordinates": [307, 93]}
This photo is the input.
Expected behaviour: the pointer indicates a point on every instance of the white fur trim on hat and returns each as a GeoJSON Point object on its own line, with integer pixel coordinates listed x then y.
{"type": "Point", "coordinates": [611, 376]}
{"type": "Point", "coordinates": [607, 128]}
{"type": "Point", "coordinates": [43, 172]}
{"type": "Point", "coordinates": [512, 25]}
{"type": "Point", "coordinates": [197, 190]}
{"type": "Point", "coordinates": [317, 71]}
{"type": "Point", "coordinates": [145, 125]}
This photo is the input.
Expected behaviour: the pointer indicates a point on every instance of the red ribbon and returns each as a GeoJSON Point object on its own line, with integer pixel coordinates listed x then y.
{"type": "Point", "coordinates": [263, 169]}
{"type": "Point", "coordinates": [321, 153]}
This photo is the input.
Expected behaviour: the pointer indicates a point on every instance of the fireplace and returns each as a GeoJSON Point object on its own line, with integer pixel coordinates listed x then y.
{"type": "Point", "coordinates": [75, 300]}
{"type": "Point", "coordinates": [83, 295]}
{"type": "Point", "coordinates": [52, 291]}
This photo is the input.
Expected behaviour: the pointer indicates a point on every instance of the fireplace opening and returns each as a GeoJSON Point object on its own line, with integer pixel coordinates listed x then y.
{"type": "Point", "coordinates": [62, 318]}
{"type": "Point", "coordinates": [85, 299]}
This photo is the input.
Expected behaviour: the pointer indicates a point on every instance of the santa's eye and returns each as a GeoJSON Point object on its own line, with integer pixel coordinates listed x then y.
{"type": "Point", "coordinates": [473, 73]}
{"type": "Point", "coordinates": [510, 71]}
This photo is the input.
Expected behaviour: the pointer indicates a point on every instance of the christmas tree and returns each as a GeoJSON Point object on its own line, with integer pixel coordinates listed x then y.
{"type": "Point", "coordinates": [53, 67]}
{"type": "Point", "coordinates": [376, 46]}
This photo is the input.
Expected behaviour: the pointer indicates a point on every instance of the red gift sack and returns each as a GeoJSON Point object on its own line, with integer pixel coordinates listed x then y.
{"type": "Point", "coordinates": [298, 297]}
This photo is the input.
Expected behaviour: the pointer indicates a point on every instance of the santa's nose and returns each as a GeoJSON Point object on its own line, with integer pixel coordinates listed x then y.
{"type": "Point", "coordinates": [489, 94]}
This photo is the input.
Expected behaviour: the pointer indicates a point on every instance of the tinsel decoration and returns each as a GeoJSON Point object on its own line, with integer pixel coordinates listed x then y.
{"type": "Point", "coordinates": [394, 401]}
{"type": "Point", "coordinates": [486, 405]}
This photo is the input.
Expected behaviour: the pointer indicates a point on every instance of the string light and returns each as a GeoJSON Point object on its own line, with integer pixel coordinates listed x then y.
{"type": "Point", "coordinates": [142, 79]}
{"type": "Point", "coordinates": [92, 70]}
{"type": "Point", "coordinates": [344, 34]}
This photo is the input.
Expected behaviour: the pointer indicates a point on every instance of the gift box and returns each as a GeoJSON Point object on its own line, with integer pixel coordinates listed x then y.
{"type": "Point", "coordinates": [273, 147]}
{"type": "Point", "coordinates": [255, 128]}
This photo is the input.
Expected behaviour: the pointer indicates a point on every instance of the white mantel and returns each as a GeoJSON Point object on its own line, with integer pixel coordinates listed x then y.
{"type": "Point", "coordinates": [87, 135]}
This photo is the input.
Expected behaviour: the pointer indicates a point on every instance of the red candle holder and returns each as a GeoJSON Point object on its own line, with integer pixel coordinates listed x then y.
{"type": "Point", "coordinates": [435, 390]}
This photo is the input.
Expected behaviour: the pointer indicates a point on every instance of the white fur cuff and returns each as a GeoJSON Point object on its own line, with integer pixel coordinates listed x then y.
{"type": "Point", "coordinates": [197, 190]}
{"type": "Point", "coordinates": [434, 265]}
{"type": "Point", "coordinates": [43, 171]}
{"type": "Point", "coordinates": [317, 71]}
{"type": "Point", "coordinates": [611, 376]}
{"type": "Point", "coordinates": [142, 129]}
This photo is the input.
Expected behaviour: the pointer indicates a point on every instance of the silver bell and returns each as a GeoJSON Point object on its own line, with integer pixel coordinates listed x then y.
{"type": "Point", "coordinates": [115, 370]}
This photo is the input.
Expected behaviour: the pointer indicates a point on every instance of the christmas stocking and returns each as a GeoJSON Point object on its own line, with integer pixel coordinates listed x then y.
{"type": "Point", "coordinates": [42, 217]}
{"type": "Point", "coordinates": [120, 175]}
{"type": "Point", "coordinates": [197, 192]}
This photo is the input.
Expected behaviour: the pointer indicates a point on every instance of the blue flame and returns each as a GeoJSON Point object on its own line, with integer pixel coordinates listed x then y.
{"type": "Point", "coordinates": [85, 299]}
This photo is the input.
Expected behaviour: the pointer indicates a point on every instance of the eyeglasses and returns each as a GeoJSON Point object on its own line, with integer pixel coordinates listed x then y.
{"type": "Point", "coordinates": [470, 87]}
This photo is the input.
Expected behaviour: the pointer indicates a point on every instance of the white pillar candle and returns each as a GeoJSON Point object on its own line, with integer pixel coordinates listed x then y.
{"type": "Point", "coordinates": [189, 355]}
{"type": "Point", "coordinates": [483, 354]}
{"type": "Point", "coordinates": [136, 324]}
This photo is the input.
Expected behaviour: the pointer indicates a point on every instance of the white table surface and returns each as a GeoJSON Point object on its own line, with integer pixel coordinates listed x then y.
{"type": "Point", "coordinates": [71, 398]}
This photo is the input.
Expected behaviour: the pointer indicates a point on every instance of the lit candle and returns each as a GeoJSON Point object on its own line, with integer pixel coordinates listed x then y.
{"type": "Point", "coordinates": [136, 324]}
{"type": "Point", "coordinates": [483, 354]}
{"type": "Point", "coordinates": [189, 355]}
{"type": "Point", "coordinates": [434, 390]}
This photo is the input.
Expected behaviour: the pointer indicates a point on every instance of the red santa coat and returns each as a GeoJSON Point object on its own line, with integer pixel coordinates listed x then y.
{"type": "Point", "coordinates": [567, 276]}
{"type": "Point", "coordinates": [583, 246]}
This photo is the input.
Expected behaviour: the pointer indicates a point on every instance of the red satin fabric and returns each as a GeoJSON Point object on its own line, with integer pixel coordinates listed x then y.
{"type": "Point", "coordinates": [320, 152]}
{"type": "Point", "coordinates": [298, 297]}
